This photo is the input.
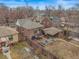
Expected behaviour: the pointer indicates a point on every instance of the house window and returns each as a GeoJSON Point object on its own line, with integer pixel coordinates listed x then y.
{"type": "Point", "coordinates": [10, 37]}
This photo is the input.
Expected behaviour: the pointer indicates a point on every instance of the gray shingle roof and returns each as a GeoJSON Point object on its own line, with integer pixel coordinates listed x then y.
{"type": "Point", "coordinates": [27, 23]}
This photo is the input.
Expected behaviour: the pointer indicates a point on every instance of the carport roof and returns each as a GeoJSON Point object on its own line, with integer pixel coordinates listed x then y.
{"type": "Point", "coordinates": [52, 30]}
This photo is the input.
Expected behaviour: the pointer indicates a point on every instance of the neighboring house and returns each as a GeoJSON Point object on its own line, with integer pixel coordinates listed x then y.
{"type": "Point", "coordinates": [74, 33]}
{"type": "Point", "coordinates": [56, 21]}
{"type": "Point", "coordinates": [47, 22]}
{"type": "Point", "coordinates": [38, 18]}
{"type": "Point", "coordinates": [43, 19]}
{"type": "Point", "coordinates": [26, 28]}
{"type": "Point", "coordinates": [8, 34]}
{"type": "Point", "coordinates": [72, 28]}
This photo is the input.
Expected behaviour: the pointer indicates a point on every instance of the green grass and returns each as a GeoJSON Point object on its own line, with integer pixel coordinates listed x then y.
{"type": "Point", "coordinates": [20, 45]}
{"type": "Point", "coordinates": [15, 51]}
{"type": "Point", "coordinates": [2, 56]}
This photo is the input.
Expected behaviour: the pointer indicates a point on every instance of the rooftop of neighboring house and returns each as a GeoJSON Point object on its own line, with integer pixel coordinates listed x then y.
{"type": "Point", "coordinates": [70, 23]}
{"type": "Point", "coordinates": [5, 31]}
{"type": "Point", "coordinates": [55, 18]}
{"type": "Point", "coordinates": [46, 18]}
{"type": "Point", "coordinates": [28, 24]}
{"type": "Point", "coordinates": [56, 21]}
{"type": "Point", "coordinates": [73, 27]}
{"type": "Point", "coordinates": [70, 19]}
{"type": "Point", "coordinates": [38, 18]}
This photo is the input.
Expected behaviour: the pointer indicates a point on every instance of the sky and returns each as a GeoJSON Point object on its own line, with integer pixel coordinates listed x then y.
{"type": "Point", "coordinates": [40, 3]}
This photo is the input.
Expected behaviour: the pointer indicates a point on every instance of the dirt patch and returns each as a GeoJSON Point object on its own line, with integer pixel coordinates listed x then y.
{"type": "Point", "coordinates": [63, 50]}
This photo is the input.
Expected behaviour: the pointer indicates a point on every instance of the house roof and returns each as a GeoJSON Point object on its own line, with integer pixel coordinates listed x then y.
{"type": "Point", "coordinates": [54, 18]}
{"type": "Point", "coordinates": [70, 23]}
{"type": "Point", "coordinates": [28, 24]}
{"type": "Point", "coordinates": [52, 30]}
{"type": "Point", "coordinates": [5, 31]}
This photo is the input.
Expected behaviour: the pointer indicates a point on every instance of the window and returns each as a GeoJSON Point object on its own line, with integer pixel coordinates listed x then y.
{"type": "Point", "coordinates": [10, 37]}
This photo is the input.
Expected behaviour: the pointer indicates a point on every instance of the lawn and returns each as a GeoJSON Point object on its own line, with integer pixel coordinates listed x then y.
{"type": "Point", "coordinates": [63, 49]}
{"type": "Point", "coordinates": [17, 52]}
{"type": "Point", "coordinates": [2, 56]}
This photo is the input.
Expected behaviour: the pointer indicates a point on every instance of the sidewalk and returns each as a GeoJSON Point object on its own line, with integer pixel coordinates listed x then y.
{"type": "Point", "coordinates": [8, 55]}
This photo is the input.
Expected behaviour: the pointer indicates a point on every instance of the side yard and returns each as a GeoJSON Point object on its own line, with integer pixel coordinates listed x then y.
{"type": "Point", "coordinates": [18, 52]}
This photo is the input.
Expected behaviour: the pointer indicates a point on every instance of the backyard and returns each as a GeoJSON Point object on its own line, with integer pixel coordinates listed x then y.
{"type": "Point", "coordinates": [63, 49]}
{"type": "Point", "coordinates": [18, 52]}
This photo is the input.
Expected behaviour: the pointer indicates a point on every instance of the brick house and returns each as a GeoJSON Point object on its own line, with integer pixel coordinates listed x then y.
{"type": "Point", "coordinates": [26, 28]}
{"type": "Point", "coordinates": [47, 22]}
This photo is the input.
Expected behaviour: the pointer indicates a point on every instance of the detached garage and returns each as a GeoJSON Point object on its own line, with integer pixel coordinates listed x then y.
{"type": "Point", "coordinates": [54, 32]}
